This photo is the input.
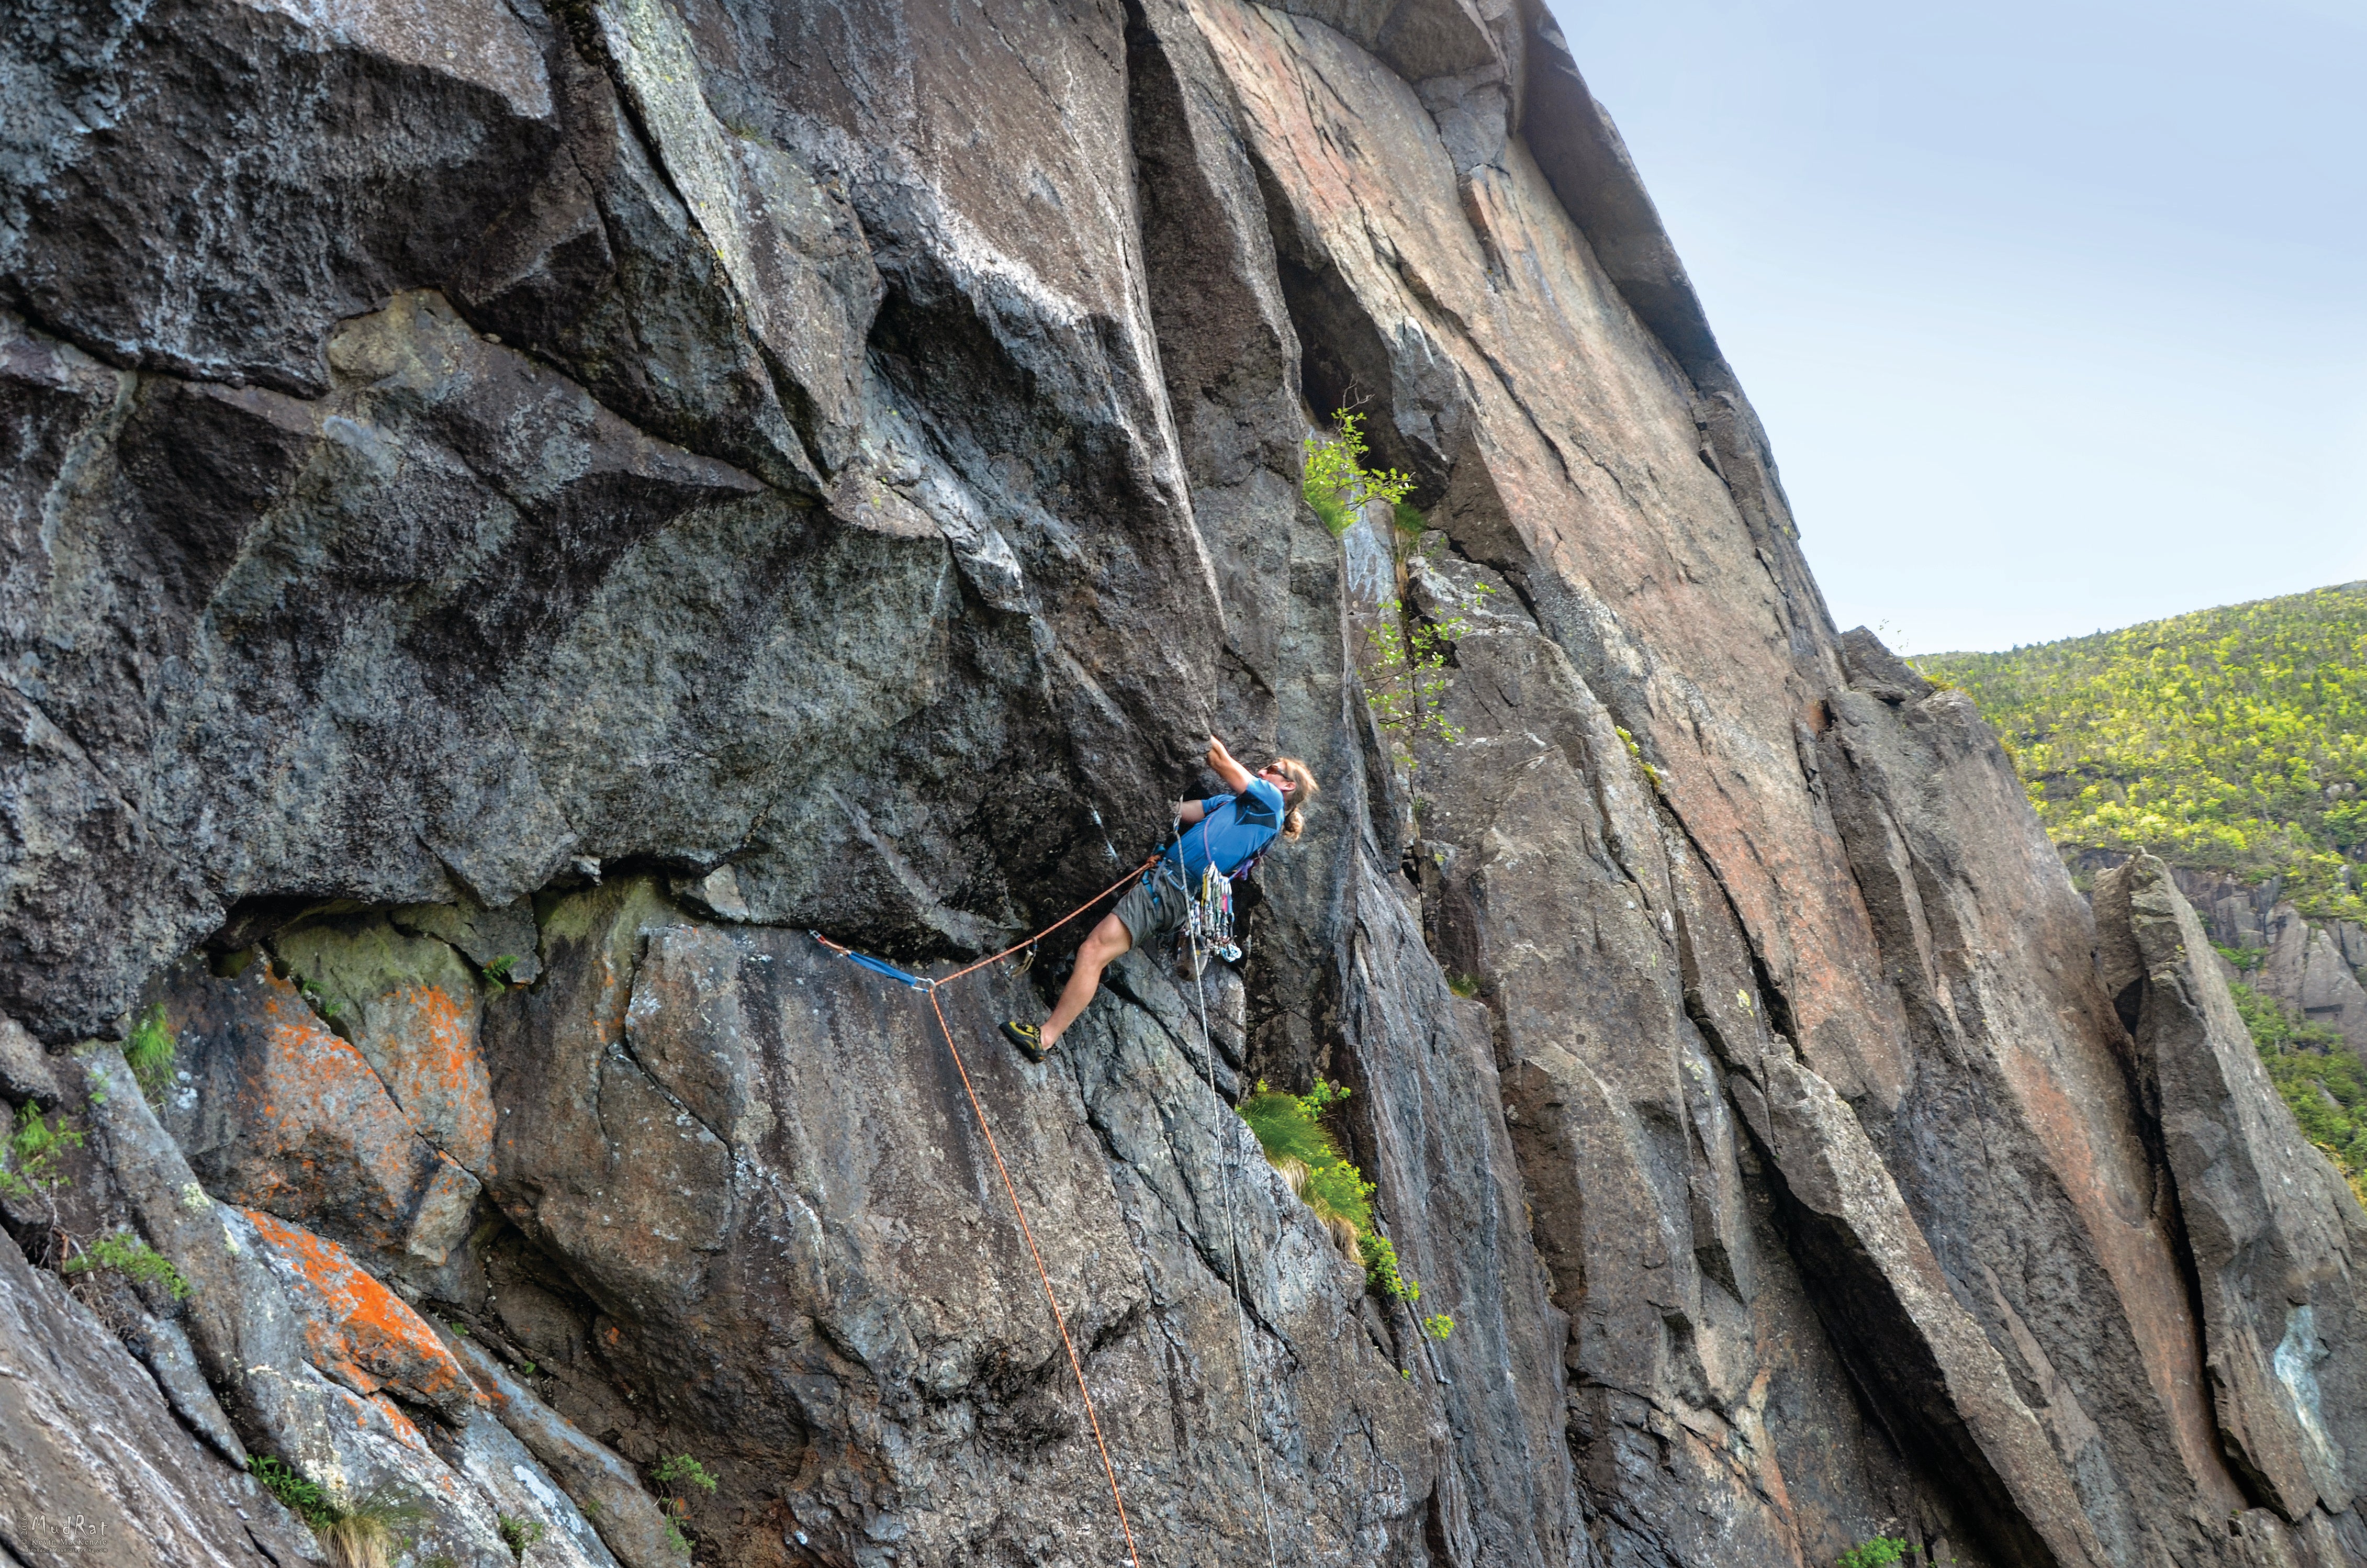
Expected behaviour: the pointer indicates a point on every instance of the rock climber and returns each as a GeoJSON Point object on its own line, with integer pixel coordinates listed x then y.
{"type": "Point", "coordinates": [1225, 830]}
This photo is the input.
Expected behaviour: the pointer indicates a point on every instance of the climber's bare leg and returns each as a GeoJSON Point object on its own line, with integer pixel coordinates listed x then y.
{"type": "Point", "coordinates": [1103, 945]}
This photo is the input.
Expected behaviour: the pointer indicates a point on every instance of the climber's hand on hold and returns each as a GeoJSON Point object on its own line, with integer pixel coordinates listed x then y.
{"type": "Point", "coordinates": [1236, 777]}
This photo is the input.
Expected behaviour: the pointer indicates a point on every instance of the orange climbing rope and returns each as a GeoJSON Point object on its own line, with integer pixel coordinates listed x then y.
{"type": "Point", "coordinates": [1133, 1558]}
{"type": "Point", "coordinates": [1059, 1322]}
{"type": "Point", "coordinates": [1148, 861]}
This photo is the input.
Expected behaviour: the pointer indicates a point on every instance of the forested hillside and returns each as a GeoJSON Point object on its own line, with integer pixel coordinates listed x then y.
{"type": "Point", "coordinates": [2318, 1076]}
{"type": "Point", "coordinates": [2231, 740]}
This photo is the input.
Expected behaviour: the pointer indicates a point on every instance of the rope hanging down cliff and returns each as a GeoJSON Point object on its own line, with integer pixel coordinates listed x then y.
{"type": "Point", "coordinates": [1207, 932]}
{"type": "Point", "coordinates": [1235, 829]}
{"type": "Point", "coordinates": [1133, 1558]}
{"type": "Point", "coordinates": [1207, 937]}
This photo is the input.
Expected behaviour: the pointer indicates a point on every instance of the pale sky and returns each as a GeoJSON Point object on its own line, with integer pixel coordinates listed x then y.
{"type": "Point", "coordinates": [2056, 313]}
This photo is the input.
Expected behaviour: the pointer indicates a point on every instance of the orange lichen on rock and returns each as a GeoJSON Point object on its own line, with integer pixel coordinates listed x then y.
{"type": "Point", "coordinates": [424, 1042]}
{"type": "Point", "coordinates": [318, 1133]}
{"type": "Point", "coordinates": [403, 1426]}
{"type": "Point", "coordinates": [356, 1329]}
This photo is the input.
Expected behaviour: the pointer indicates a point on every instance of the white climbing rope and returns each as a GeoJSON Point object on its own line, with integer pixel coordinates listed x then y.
{"type": "Point", "coordinates": [1233, 1237]}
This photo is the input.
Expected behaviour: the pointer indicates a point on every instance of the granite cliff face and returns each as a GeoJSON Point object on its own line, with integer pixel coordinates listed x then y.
{"type": "Point", "coordinates": [518, 512]}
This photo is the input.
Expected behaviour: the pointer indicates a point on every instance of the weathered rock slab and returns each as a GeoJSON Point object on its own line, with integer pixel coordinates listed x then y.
{"type": "Point", "coordinates": [2277, 1235]}
{"type": "Point", "coordinates": [93, 1469]}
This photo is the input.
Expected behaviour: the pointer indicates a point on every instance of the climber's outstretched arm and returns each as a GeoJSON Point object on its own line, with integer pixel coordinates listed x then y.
{"type": "Point", "coordinates": [1236, 777]}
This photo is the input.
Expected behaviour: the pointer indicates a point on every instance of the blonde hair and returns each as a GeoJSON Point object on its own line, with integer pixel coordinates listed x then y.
{"type": "Point", "coordinates": [1303, 790]}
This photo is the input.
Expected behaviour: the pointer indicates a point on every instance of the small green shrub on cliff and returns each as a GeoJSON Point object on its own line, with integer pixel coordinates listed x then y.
{"type": "Point", "coordinates": [149, 1053]}
{"type": "Point", "coordinates": [1337, 484]}
{"type": "Point", "coordinates": [674, 1475]}
{"type": "Point", "coordinates": [518, 1534]}
{"type": "Point", "coordinates": [1878, 1552]}
{"type": "Point", "coordinates": [684, 1470]}
{"type": "Point", "coordinates": [130, 1257]}
{"type": "Point", "coordinates": [1291, 1130]}
{"type": "Point", "coordinates": [2317, 1074]}
{"type": "Point", "coordinates": [1381, 1270]}
{"type": "Point", "coordinates": [2245, 960]}
{"type": "Point", "coordinates": [1408, 678]}
{"type": "Point", "coordinates": [34, 1154]}
{"type": "Point", "coordinates": [300, 1496]}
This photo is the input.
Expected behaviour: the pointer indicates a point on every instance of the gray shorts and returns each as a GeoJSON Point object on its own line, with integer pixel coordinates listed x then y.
{"type": "Point", "coordinates": [1146, 922]}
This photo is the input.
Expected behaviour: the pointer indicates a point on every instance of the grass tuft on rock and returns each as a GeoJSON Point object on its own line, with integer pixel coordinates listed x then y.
{"type": "Point", "coordinates": [149, 1053]}
{"type": "Point", "coordinates": [298, 1497]}
{"type": "Point", "coordinates": [1879, 1552]}
{"type": "Point", "coordinates": [359, 1540]}
{"type": "Point", "coordinates": [369, 1534]}
{"type": "Point", "coordinates": [518, 1534]}
{"type": "Point", "coordinates": [32, 1157]}
{"type": "Point", "coordinates": [1290, 1129]}
{"type": "Point", "coordinates": [134, 1260]}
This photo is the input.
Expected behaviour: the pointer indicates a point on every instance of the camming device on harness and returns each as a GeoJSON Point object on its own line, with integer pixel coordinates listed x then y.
{"type": "Point", "coordinates": [1208, 910]}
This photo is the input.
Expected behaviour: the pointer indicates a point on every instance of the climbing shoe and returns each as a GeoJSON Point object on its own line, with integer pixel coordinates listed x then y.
{"type": "Point", "coordinates": [1028, 1038]}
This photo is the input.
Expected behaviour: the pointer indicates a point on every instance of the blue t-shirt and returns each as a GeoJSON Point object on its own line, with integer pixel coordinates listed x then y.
{"type": "Point", "coordinates": [1231, 828]}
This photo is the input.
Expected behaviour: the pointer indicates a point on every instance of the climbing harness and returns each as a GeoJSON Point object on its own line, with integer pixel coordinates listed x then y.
{"type": "Point", "coordinates": [1208, 910]}
{"type": "Point", "coordinates": [1133, 1558]}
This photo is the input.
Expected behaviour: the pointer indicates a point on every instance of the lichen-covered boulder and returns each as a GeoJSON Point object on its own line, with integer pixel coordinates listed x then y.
{"type": "Point", "coordinates": [279, 1112]}
{"type": "Point", "coordinates": [410, 1005]}
{"type": "Point", "coordinates": [357, 1330]}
